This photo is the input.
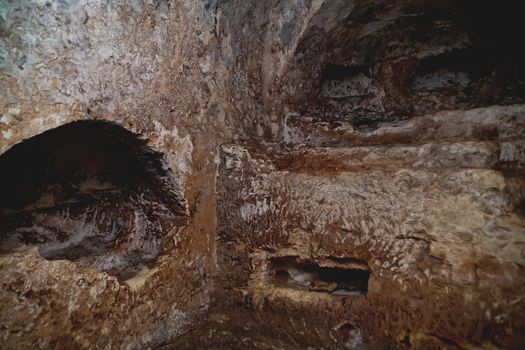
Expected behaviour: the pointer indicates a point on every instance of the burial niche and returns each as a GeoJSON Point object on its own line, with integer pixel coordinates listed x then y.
{"type": "Point", "coordinates": [91, 192]}
{"type": "Point", "coordinates": [350, 278]}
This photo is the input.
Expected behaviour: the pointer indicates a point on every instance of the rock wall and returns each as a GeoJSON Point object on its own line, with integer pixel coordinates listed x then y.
{"type": "Point", "coordinates": [351, 172]}
{"type": "Point", "coordinates": [144, 65]}
{"type": "Point", "coordinates": [437, 223]}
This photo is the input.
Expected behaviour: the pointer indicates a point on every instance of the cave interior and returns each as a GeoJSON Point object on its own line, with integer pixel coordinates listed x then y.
{"type": "Point", "coordinates": [227, 174]}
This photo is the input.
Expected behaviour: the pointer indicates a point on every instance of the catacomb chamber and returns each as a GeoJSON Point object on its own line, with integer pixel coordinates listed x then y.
{"type": "Point", "coordinates": [353, 171]}
{"type": "Point", "coordinates": [90, 192]}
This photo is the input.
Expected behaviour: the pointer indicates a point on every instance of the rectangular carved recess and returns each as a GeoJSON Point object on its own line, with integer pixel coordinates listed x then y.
{"type": "Point", "coordinates": [340, 277]}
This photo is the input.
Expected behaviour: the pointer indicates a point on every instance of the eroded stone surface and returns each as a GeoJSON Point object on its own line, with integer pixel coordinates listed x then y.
{"type": "Point", "coordinates": [442, 228]}
{"type": "Point", "coordinates": [136, 64]}
{"type": "Point", "coordinates": [385, 134]}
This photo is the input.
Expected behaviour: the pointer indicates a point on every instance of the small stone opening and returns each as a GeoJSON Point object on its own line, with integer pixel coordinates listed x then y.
{"type": "Point", "coordinates": [291, 272]}
{"type": "Point", "coordinates": [90, 192]}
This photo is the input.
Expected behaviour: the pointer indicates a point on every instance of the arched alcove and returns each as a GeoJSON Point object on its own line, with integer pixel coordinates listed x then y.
{"type": "Point", "coordinates": [387, 62]}
{"type": "Point", "coordinates": [91, 192]}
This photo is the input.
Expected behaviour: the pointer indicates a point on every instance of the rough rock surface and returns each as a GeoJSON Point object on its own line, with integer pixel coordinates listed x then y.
{"type": "Point", "coordinates": [351, 172]}
{"type": "Point", "coordinates": [135, 63]}
{"type": "Point", "coordinates": [438, 224]}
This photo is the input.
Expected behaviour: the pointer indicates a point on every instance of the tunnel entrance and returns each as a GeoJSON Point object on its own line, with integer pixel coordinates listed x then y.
{"type": "Point", "coordinates": [90, 192]}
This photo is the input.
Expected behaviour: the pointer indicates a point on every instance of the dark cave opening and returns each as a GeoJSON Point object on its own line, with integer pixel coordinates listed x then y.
{"type": "Point", "coordinates": [90, 192]}
{"type": "Point", "coordinates": [291, 272]}
{"type": "Point", "coordinates": [380, 67]}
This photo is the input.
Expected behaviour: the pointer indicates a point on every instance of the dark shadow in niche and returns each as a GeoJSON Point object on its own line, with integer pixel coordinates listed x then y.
{"type": "Point", "coordinates": [91, 192]}
{"type": "Point", "coordinates": [340, 280]}
{"type": "Point", "coordinates": [377, 68]}
{"type": "Point", "coordinates": [453, 69]}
